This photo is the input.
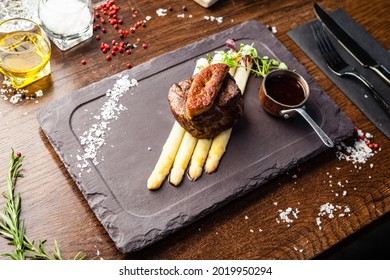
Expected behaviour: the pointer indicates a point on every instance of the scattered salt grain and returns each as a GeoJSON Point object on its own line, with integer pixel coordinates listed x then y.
{"type": "Point", "coordinates": [39, 93]}
{"type": "Point", "coordinates": [273, 29]}
{"type": "Point", "coordinates": [246, 217]}
{"type": "Point", "coordinates": [327, 210]}
{"type": "Point", "coordinates": [14, 95]}
{"type": "Point", "coordinates": [359, 153]}
{"type": "Point", "coordinates": [275, 203]}
{"type": "Point", "coordinates": [148, 18]}
{"type": "Point", "coordinates": [180, 15]}
{"type": "Point", "coordinates": [284, 215]}
{"type": "Point", "coordinates": [149, 148]}
{"type": "Point", "coordinates": [318, 220]}
{"type": "Point", "coordinates": [161, 12]}
{"type": "Point", "coordinates": [219, 20]}
{"type": "Point", "coordinates": [15, 98]}
{"type": "Point", "coordinates": [94, 138]}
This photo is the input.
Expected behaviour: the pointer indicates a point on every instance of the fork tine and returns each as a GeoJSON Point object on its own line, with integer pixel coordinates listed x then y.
{"type": "Point", "coordinates": [321, 45]}
{"type": "Point", "coordinates": [325, 45]}
{"type": "Point", "coordinates": [332, 51]}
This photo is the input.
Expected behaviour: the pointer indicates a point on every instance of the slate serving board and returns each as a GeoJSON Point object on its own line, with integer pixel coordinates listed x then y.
{"type": "Point", "coordinates": [260, 148]}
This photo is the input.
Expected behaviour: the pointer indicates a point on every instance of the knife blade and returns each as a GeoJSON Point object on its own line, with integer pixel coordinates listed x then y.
{"type": "Point", "coordinates": [351, 45]}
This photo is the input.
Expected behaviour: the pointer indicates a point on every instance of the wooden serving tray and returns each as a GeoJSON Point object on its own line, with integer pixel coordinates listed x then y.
{"type": "Point", "coordinates": [261, 146]}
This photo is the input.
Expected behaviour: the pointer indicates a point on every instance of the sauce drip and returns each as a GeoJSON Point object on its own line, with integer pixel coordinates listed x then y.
{"type": "Point", "coordinates": [285, 89]}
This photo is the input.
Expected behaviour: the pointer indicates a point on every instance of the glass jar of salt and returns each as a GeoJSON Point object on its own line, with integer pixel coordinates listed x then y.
{"type": "Point", "coordinates": [66, 22]}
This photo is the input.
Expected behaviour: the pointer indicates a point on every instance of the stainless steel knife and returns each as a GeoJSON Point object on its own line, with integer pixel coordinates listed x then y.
{"type": "Point", "coordinates": [351, 45]}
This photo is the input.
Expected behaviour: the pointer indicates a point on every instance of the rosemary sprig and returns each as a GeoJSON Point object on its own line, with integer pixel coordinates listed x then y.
{"type": "Point", "coordinates": [13, 229]}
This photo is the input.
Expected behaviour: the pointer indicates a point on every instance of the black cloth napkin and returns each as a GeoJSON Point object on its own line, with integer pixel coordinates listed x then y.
{"type": "Point", "coordinates": [351, 87]}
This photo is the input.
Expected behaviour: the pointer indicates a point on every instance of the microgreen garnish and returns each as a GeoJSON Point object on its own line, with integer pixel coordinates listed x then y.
{"type": "Point", "coordinates": [247, 53]}
{"type": "Point", "coordinates": [13, 229]}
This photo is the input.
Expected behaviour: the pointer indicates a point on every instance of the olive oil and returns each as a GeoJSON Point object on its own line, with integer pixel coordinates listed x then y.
{"type": "Point", "coordinates": [24, 57]}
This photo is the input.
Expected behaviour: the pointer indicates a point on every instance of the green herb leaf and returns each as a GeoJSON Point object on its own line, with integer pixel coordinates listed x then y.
{"type": "Point", "coordinates": [248, 53]}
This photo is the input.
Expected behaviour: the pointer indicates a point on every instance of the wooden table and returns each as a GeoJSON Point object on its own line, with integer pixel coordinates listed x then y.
{"type": "Point", "coordinates": [54, 208]}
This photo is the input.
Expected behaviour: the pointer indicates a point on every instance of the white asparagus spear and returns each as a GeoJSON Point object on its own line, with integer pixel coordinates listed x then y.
{"type": "Point", "coordinates": [182, 159]}
{"type": "Point", "coordinates": [171, 146]}
{"type": "Point", "coordinates": [167, 156]}
{"type": "Point", "coordinates": [202, 147]}
{"type": "Point", "coordinates": [198, 158]}
{"type": "Point", "coordinates": [191, 146]}
{"type": "Point", "coordinates": [218, 146]}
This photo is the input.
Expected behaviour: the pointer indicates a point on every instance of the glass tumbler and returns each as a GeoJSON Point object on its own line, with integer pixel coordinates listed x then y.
{"type": "Point", "coordinates": [24, 51]}
{"type": "Point", "coordinates": [66, 22]}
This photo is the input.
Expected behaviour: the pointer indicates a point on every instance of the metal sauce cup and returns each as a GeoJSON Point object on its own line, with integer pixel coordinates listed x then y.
{"type": "Point", "coordinates": [283, 93]}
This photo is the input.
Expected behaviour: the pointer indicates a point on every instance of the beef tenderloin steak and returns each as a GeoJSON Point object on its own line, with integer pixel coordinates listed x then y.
{"type": "Point", "coordinates": [221, 113]}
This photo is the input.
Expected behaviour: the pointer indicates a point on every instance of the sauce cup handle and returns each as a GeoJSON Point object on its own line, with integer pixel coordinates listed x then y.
{"type": "Point", "coordinates": [325, 138]}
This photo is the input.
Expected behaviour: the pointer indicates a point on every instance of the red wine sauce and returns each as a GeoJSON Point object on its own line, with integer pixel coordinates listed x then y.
{"type": "Point", "coordinates": [285, 90]}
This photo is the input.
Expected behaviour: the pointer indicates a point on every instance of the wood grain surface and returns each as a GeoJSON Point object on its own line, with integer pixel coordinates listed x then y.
{"type": "Point", "coordinates": [54, 208]}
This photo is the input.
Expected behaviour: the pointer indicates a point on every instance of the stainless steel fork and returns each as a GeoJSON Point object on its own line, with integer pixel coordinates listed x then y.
{"type": "Point", "coordinates": [338, 66]}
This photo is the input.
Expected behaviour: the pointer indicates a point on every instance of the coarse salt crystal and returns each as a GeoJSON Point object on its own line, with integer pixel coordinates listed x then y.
{"type": "Point", "coordinates": [318, 220]}
{"type": "Point", "coordinates": [359, 153]}
{"type": "Point", "coordinates": [161, 12]}
{"type": "Point", "coordinates": [219, 20]}
{"type": "Point", "coordinates": [328, 210]}
{"type": "Point", "coordinates": [284, 215]}
{"type": "Point", "coordinates": [39, 93]}
{"type": "Point", "coordinates": [94, 138]}
{"type": "Point", "coordinates": [15, 98]}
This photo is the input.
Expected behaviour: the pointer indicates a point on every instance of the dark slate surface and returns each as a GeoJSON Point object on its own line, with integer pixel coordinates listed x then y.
{"type": "Point", "coordinates": [352, 88]}
{"type": "Point", "coordinates": [260, 148]}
